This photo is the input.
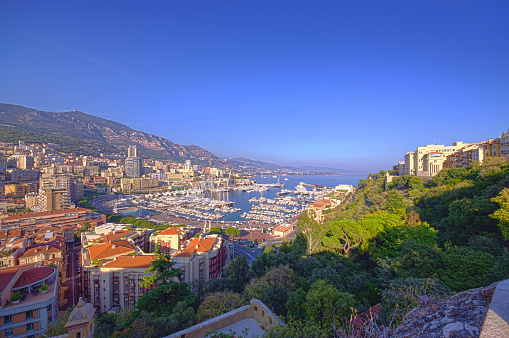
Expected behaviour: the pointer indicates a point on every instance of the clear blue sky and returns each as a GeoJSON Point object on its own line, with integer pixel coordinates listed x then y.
{"type": "Point", "coordinates": [346, 84]}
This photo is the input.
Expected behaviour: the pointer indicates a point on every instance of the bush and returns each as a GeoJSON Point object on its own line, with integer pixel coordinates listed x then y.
{"type": "Point", "coordinates": [16, 296]}
{"type": "Point", "coordinates": [43, 287]}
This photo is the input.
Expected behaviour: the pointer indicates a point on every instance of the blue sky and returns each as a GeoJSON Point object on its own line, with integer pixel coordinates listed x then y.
{"type": "Point", "coordinates": [346, 84]}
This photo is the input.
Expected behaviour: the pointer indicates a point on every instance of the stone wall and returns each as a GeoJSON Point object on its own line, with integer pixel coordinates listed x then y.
{"type": "Point", "coordinates": [255, 310]}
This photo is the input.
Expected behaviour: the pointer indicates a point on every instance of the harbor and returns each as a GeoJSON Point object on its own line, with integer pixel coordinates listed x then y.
{"type": "Point", "coordinates": [267, 203]}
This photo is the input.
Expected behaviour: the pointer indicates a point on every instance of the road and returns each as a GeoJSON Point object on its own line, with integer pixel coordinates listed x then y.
{"type": "Point", "coordinates": [70, 279]}
{"type": "Point", "coordinates": [250, 254]}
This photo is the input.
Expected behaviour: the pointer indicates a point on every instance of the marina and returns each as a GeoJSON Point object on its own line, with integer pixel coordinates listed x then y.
{"type": "Point", "coordinates": [266, 201]}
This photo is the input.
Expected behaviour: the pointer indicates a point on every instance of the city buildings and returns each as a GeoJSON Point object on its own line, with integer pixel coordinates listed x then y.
{"type": "Point", "coordinates": [51, 199]}
{"type": "Point", "coordinates": [133, 165]}
{"type": "Point", "coordinates": [427, 161]}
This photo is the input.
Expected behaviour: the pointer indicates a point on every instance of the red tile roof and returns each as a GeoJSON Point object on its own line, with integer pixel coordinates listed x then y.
{"type": "Point", "coordinates": [140, 262]}
{"type": "Point", "coordinates": [113, 236]}
{"type": "Point", "coordinates": [283, 228]}
{"type": "Point", "coordinates": [33, 276]}
{"type": "Point", "coordinates": [110, 249]}
{"type": "Point", "coordinates": [40, 250]}
{"type": "Point", "coordinates": [198, 245]}
{"type": "Point", "coordinates": [6, 275]}
{"type": "Point", "coordinates": [320, 203]}
{"type": "Point", "coordinates": [172, 231]}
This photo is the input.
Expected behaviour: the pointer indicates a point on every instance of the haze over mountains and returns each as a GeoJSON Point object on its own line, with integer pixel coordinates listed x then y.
{"type": "Point", "coordinates": [89, 132]}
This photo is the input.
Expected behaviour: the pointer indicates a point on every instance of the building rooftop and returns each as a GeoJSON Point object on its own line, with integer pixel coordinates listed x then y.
{"type": "Point", "coordinates": [172, 231]}
{"type": "Point", "coordinates": [113, 236]}
{"type": "Point", "coordinates": [6, 274]}
{"type": "Point", "coordinates": [110, 249]}
{"type": "Point", "coordinates": [133, 262]}
{"type": "Point", "coordinates": [44, 213]}
{"type": "Point", "coordinates": [33, 276]}
{"type": "Point", "coordinates": [40, 250]}
{"type": "Point", "coordinates": [198, 245]}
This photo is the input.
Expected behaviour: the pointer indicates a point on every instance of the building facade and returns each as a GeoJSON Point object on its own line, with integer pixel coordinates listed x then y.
{"type": "Point", "coordinates": [29, 316]}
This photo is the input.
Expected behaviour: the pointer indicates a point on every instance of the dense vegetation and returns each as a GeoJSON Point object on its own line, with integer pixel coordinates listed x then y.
{"type": "Point", "coordinates": [395, 245]}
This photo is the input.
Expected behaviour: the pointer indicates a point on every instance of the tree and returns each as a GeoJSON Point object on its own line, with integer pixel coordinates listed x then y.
{"type": "Point", "coordinates": [502, 214]}
{"type": "Point", "coordinates": [275, 297]}
{"type": "Point", "coordinates": [295, 304]}
{"type": "Point", "coordinates": [217, 303]}
{"type": "Point", "coordinates": [216, 230]}
{"type": "Point", "coordinates": [238, 273]}
{"type": "Point", "coordinates": [326, 304]}
{"type": "Point", "coordinates": [232, 232]}
{"type": "Point", "coordinates": [312, 231]}
{"type": "Point", "coordinates": [344, 235]}
{"type": "Point", "coordinates": [57, 327]}
{"type": "Point", "coordinates": [168, 292]}
{"type": "Point", "coordinates": [282, 276]}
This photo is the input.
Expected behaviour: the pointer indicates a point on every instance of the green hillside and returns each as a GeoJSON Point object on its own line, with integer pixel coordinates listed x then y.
{"type": "Point", "coordinates": [410, 243]}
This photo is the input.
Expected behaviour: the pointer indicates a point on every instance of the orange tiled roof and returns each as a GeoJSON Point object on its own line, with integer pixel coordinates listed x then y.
{"type": "Point", "coordinates": [140, 262]}
{"type": "Point", "coordinates": [283, 228]}
{"type": "Point", "coordinates": [321, 203]}
{"type": "Point", "coordinates": [172, 231]}
{"type": "Point", "coordinates": [110, 249]}
{"type": "Point", "coordinates": [40, 250]}
{"type": "Point", "coordinates": [198, 245]}
{"type": "Point", "coordinates": [113, 236]}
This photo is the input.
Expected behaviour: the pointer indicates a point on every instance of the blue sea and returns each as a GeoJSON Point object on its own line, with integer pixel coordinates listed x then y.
{"type": "Point", "coordinates": [241, 198]}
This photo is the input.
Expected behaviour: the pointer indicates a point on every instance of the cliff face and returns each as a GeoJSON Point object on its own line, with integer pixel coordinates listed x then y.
{"type": "Point", "coordinates": [79, 125]}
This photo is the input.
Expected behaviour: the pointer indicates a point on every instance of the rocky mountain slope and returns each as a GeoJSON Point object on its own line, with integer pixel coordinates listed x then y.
{"type": "Point", "coordinates": [79, 125]}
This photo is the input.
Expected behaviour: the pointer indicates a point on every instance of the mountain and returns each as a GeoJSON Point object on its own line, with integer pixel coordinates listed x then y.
{"type": "Point", "coordinates": [238, 161]}
{"type": "Point", "coordinates": [76, 125]}
{"type": "Point", "coordinates": [324, 170]}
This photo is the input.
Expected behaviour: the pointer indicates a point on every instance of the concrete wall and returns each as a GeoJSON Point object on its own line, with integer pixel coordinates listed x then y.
{"type": "Point", "coordinates": [255, 310]}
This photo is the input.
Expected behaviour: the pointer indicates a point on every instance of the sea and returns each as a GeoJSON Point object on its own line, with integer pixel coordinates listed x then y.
{"type": "Point", "coordinates": [241, 198]}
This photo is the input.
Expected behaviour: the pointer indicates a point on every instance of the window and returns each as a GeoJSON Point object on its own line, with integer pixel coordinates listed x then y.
{"type": "Point", "coordinates": [31, 336]}
{"type": "Point", "coordinates": [7, 319]}
{"type": "Point", "coordinates": [78, 335]}
{"type": "Point", "coordinates": [48, 307]}
{"type": "Point", "coordinates": [29, 314]}
{"type": "Point", "coordinates": [30, 327]}
{"type": "Point", "coordinates": [8, 333]}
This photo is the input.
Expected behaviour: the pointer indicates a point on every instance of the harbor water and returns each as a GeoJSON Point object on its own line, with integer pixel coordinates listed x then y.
{"type": "Point", "coordinates": [241, 198]}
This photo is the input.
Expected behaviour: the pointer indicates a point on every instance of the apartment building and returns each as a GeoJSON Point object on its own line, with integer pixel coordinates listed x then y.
{"type": "Point", "coordinates": [26, 162]}
{"type": "Point", "coordinates": [492, 148]}
{"type": "Point", "coordinates": [136, 184]}
{"type": "Point", "coordinates": [318, 207]}
{"type": "Point", "coordinates": [428, 160]}
{"type": "Point", "coordinates": [29, 316]}
{"type": "Point", "coordinates": [68, 217]}
{"type": "Point", "coordinates": [23, 175]}
{"type": "Point", "coordinates": [45, 254]}
{"type": "Point", "coordinates": [169, 240]}
{"type": "Point", "coordinates": [19, 190]}
{"type": "Point", "coordinates": [51, 199]}
{"type": "Point", "coordinates": [116, 284]}
{"type": "Point", "coordinates": [202, 258]}
{"type": "Point", "coordinates": [465, 156]}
